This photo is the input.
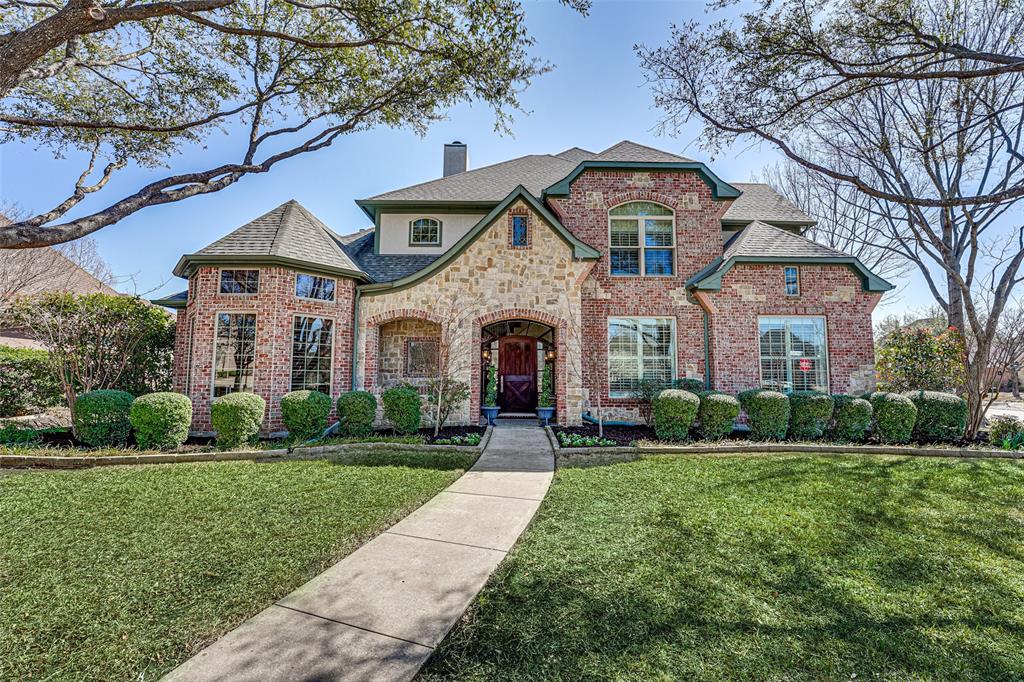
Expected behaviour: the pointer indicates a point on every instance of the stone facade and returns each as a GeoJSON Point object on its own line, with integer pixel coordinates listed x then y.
{"type": "Point", "coordinates": [488, 282]}
{"type": "Point", "coordinates": [698, 239]}
{"type": "Point", "coordinates": [393, 350]}
{"type": "Point", "coordinates": [830, 291]}
{"type": "Point", "coordinates": [275, 307]}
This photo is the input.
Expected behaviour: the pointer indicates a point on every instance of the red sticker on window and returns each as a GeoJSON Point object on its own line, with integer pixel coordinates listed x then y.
{"type": "Point", "coordinates": [805, 365]}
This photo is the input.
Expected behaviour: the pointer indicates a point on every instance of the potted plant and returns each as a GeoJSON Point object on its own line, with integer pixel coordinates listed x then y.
{"type": "Point", "coordinates": [546, 399]}
{"type": "Point", "coordinates": [490, 408]}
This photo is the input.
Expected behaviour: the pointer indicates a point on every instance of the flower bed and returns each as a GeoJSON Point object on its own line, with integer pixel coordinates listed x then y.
{"type": "Point", "coordinates": [586, 436]}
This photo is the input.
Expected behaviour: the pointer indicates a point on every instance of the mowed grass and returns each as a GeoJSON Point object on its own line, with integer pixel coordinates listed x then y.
{"type": "Point", "coordinates": [121, 573]}
{"type": "Point", "coordinates": [759, 568]}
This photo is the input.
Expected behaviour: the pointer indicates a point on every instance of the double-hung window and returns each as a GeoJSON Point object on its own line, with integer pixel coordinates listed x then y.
{"type": "Point", "coordinates": [642, 239]}
{"type": "Point", "coordinates": [425, 232]}
{"type": "Point", "coordinates": [234, 353]}
{"type": "Point", "coordinates": [640, 348]}
{"type": "Point", "coordinates": [312, 350]}
{"type": "Point", "coordinates": [794, 353]}
{"type": "Point", "coordinates": [312, 286]}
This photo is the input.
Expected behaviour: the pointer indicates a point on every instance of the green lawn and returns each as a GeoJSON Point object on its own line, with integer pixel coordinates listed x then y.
{"type": "Point", "coordinates": [759, 568]}
{"type": "Point", "coordinates": [121, 573]}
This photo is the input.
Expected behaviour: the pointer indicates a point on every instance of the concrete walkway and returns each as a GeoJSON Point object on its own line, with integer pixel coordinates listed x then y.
{"type": "Point", "coordinates": [378, 613]}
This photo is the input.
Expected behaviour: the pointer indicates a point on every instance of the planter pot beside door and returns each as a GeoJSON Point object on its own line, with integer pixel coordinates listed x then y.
{"type": "Point", "coordinates": [491, 413]}
{"type": "Point", "coordinates": [544, 414]}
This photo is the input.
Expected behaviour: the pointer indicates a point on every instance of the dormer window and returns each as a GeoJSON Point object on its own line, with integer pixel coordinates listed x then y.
{"type": "Point", "coordinates": [425, 232]}
{"type": "Point", "coordinates": [642, 239]}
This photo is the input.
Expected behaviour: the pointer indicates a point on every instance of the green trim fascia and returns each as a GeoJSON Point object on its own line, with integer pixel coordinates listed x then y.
{"type": "Point", "coordinates": [185, 263]}
{"type": "Point", "coordinates": [372, 207]}
{"type": "Point", "coordinates": [581, 250]}
{"type": "Point", "coordinates": [720, 189]}
{"type": "Point", "coordinates": [710, 278]}
{"type": "Point", "coordinates": [170, 302]}
{"type": "Point", "coordinates": [781, 224]}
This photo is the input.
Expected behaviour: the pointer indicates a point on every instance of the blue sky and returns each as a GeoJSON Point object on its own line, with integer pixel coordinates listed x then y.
{"type": "Point", "coordinates": [595, 97]}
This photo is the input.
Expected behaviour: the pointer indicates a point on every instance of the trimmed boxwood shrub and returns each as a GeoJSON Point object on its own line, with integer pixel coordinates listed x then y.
{"type": "Point", "coordinates": [851, 418]}
{"type": "Point", "coordinates": [941, 417]}
{"type": "Point", "coordinates": [694, 386]}
{"type": "Point", "coordinates": [674, 411]}
{"type": "Point", "coordinates": [305, 413]}
{"type": "Point", "coordinates": [810, 413]}
{"type": "Point", "coordinates": [716, 414]}
{"type": "Point", "coordinates": [768, 413]}
{"type": "Point", "coordinates": [1003, 427]}
{"type": "Point", "coordinates": [161, 420]}
{"type": "Point", "coordinates": [27, 381]}
{"type": "Point", "coordinates": [236, 418]}
{"type": "Point", "coordinates": [402, 409]}
{"type": "Point", "coordinates": [102, 418]}
{"type": "Point", "coordinates": [894, 417]}
{"type": "Point", "coordinates": [356, 412]}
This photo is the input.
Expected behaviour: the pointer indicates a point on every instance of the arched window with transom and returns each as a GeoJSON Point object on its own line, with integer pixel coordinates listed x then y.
{"type": "Point", "coordinates": [642, 239]}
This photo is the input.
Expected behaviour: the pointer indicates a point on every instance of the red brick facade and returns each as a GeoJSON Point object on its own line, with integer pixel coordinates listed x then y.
{"type": "Point", "coordinates": [275, 306]}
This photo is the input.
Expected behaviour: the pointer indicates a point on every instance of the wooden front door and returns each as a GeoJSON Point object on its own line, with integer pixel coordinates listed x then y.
{"type": "Point", "coordinates": [517, 374]}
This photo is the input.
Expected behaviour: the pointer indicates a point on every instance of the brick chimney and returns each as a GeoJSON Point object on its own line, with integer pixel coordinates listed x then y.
{"type": "Point", "coordinates": [456, 158]}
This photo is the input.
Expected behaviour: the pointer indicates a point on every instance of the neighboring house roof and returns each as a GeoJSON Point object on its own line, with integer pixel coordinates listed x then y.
{"type": "Point", "coordinates": [287, 235]}
{"type": "Point", "coordinates": [762, 243]}
{"type": "Point", "coordinates": [759, 201]}
{"type": "Point", "coordinates": [178, 300]}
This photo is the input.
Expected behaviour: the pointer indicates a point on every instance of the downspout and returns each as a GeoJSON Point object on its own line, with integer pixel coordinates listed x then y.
{"type": "Point", "coordinates": [355, 338]}
{"type": "Point", "coordinates": [707, 352]}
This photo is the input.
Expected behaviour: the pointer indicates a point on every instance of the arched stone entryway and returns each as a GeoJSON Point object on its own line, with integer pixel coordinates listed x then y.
{"type": "Point", "coordinates": [385, 362]}
{"type": "Point", "coordinates": [558, 332]}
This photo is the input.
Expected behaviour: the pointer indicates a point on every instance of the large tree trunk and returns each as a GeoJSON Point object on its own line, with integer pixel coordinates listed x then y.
{"type": "Point", "coordinates": [976, 389]}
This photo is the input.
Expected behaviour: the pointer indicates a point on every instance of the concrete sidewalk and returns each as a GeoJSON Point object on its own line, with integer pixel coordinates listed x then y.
{"type": "Point", "coordinates": [378, 613]}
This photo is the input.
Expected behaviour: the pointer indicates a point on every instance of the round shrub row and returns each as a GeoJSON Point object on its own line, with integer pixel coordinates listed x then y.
{"type": "Point", "coordinates": [402, 407]}
{"type": "Point", "coordinates": [161, 420]}
{"type": "Point", "coordinates": [894, 417]}
{"type": "Point", "coordinates": [940, 416]}
{"type": "Point", "coordinates": [851, 418]}
{"type": "Point", "coordinates": [810, 414]}
{"type": "Point", "coordinates": [305, 413]}
{"type": "Point", "coordinates": [236, 418]}
{"type": "Point", "coordinates": [102, 418]}
{"type": "Point", "coordinates": [356, 412]}
{"type": "Point", "coordinates": [768, 413]}
{"type": "Point", "coordinates": [674, 411]}
{"type": "Point", "coordinates": [716, 415]}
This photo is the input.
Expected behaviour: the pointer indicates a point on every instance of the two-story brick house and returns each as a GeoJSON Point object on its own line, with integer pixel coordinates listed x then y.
{"type": "Point", "coordinates": [612, 267]}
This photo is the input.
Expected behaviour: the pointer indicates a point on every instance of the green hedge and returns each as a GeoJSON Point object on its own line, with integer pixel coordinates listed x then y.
{"type": "Point", "coordinates": [27, 382]}
{"type": "Point", "coordinates": [894, 417]}
{"type": "Point", "coordinates": [810, 414]}
{"type": "Point", "coordinates": [1003, 427]}
{"type": "Point", "coordinates": [941, 417]}
{"type": "Point", "coordinates": [690, 384]}
{"type": "Point", "coordinates": [102, 418]}
{"type": "Point", "coordinates": [851, 419]}
{"type": "Point", "coordinates": [767, 412]}
{"type": "Point", "coordinates": [356, 412]}
{"type": "Point", "coordinates": [305, 413]}
{"type": "Point", "coordinates": [161, 420]}
{"type": "Point", "coordinates": [402, 409]}
{"type": "Point", "coordinates": [236, 418]}
{"type": "Point", "coordinates": [674, 411]}
{"type": "Point", "coordinates": [716, 415]}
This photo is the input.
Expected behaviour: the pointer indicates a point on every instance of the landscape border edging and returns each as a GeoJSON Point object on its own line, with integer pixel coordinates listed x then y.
{"type": "Point", "coordinates": [277, 455]}
{"type": "Point", "coordinates": [599, 456]}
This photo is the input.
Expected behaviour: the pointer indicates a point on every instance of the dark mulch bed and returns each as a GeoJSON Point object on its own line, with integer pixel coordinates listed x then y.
{"type": "Point", "coordinates": [622, 435]}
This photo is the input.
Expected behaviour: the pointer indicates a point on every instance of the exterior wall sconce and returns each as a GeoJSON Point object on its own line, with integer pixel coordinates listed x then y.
{"type": "Point", "coordinates": [550, 355]}
{"type": "Point", "coordinates": [486, 354]}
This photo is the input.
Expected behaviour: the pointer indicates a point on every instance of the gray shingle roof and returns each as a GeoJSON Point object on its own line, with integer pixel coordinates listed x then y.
{"type": "Point", "coordinates": [385, 268]}
{"type": "Point", "coordinates": [534, 172]}
{"type": "Point", "coordinates": [759, 201]}
{"type": "Point", "coordinates": [288, 231]}
{"type": "Point", "coordinates": [760, 240]}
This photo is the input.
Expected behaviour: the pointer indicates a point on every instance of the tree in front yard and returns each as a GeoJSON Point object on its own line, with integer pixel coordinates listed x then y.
{"type": "Point", "coordinates": [919, 359]}
{"type": "Point", "coordinates": [100, 341]}
{"type": "Point", "coordinates": [917, 106]}
{"type": "Point", "coordinates": [120, 83]}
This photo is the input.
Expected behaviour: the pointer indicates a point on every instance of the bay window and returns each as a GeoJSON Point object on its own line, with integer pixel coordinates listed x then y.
{"type": "Point", "coordinates": [794, 353]}
{"type": "Point", "coordinates": [640, 348]}
{"type": "Point", "coordinates": [312, 353]}
{"type": "Point", "coordinates": [234, 353]}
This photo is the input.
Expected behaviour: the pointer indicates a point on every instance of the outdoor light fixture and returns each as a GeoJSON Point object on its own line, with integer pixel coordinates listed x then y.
{"type": "Point", "coordinates": [486, 354]}
{"type": "Point", "coordinates": [550, 355]}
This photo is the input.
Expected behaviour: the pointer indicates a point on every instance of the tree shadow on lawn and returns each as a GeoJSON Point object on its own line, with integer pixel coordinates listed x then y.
{"type": "Point", "coordinates": [442, 461]}
{"type": "Point", "coordinates": [802, 568]}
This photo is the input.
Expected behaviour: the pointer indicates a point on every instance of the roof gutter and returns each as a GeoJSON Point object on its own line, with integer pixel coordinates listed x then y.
{"type": "Point", "coordinates": [710, 278]}
{"type": "Point", "coordinates": [186, 263]}
{"type": "Point", "coordinates": [720, 189]}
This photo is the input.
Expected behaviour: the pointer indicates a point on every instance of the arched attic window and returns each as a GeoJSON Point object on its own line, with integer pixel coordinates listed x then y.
{"type": "Point", "coordinates": [425, 232]}
{"type": "Point", "coordinates": [642, 239]}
